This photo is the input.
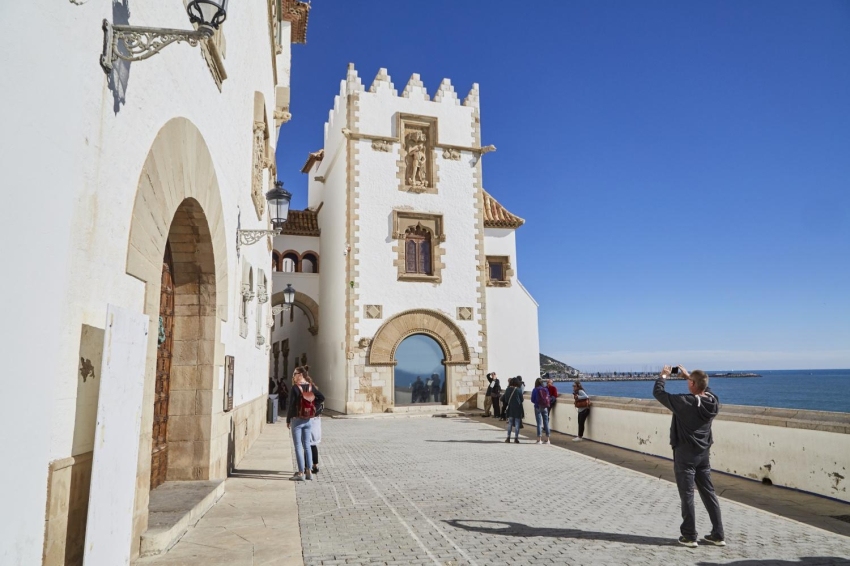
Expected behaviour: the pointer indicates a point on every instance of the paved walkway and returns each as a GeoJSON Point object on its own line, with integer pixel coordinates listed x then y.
{"type": "Point", "coordinates": [449, 491]}
{"type": "Point", "coordinates": [255, 522]}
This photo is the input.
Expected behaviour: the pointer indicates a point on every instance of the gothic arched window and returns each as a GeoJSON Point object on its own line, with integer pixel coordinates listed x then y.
{"type": "Point", "coordinates": [417, 250]}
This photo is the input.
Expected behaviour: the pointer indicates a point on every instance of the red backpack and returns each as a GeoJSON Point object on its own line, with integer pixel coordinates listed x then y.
{"type": "Point", "coordinates": [307, 404]}
{"type": "Point", "coordinates": [543, 398]}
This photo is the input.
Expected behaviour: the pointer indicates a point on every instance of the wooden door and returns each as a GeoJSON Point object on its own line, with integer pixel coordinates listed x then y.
{"type": "Point", "coordinates": [159, 451]}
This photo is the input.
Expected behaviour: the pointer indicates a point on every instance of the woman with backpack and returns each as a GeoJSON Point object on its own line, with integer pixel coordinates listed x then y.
{"type": "Point", "coordinates": [582, 402]}
{"type": "Point", "coordinates": [303, 400]}
{"type": "Point", "coordinates": [542, 401]}
{"type": "Point", "coordinates": [512, 408]}
{"type": "Point", "coordinates": [315, 429]}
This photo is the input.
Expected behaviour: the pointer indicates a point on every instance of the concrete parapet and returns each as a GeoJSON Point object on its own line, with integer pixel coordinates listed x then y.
{"type": "Point", "coordinates": [799, 449]}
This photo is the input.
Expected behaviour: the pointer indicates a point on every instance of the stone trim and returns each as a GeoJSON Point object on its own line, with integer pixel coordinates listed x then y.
{"type": "Point", "coordinates": [408, 125]}
{"type": "Point", "coordinates": [465, 313]}
{"type": "Point", "coordinates": [482, 276]}
{"type": "Point", "coordinates": [373, 312]}
{"type": "Point", "coordinates": [178, 167]}
{"type": "Point", "coordinates": [419, 321]}
{"type": "Point", "coordinates": [507, 268]}
{"type": "Point", "coordinates": [214, 50]}
{"type": "Point", "coordinates": [402, 220]}
{"type": "Point", "coordinates": [355, 384]}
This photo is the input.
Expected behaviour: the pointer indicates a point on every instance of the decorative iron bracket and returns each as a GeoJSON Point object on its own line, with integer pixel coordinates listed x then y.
{"type": "Point", "coordinates": [141, 42]}
{"type": "Point", "coordinates": [277, 309]}
{"type": "Point", "coordinates": [250, 237]}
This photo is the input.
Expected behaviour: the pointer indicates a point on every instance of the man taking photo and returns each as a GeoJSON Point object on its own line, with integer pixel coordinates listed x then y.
{"type": "Point", "coordinates": [690, 437]}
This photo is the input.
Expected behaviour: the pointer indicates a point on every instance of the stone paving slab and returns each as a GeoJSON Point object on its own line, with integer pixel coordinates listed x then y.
{"type": "Point", "coordinates": [450, 492]}
{"type": "Point", "coordinates": [256, 521]}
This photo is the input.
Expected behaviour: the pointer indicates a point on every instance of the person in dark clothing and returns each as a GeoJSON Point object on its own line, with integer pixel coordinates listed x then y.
{"type": "Point", "coordinates": [488, 400]}
{"type": "Point", "coordinates": [495, 395]}
{"type": "Point", "coordinates": [512, 408]}
{"type": "Point", "coordinates": [691, 439]}
{"type": "Point", "coordinates": [300, 423]}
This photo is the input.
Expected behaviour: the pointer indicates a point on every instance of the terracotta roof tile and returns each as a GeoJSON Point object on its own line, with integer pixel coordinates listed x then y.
{"type": "Point", "coordinates": [297, 13]}
{"type": "Point", "coordinates": [497, 216]}
{"type": "Point", "coordinates": [313, 158]}
{"type": "Point", "coordinates": [302, 223]}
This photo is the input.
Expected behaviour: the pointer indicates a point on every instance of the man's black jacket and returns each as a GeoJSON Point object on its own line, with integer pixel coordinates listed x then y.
{"type": "Point", "coordinates": [692, 416]}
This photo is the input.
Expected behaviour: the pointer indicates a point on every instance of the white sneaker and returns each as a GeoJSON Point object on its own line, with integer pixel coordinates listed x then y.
{"type": "Point", "coordinates": [539, 442]}
{"type": "Point", "coordinates": [547, 442]}
{"type": "Point", "coordinates": [577, 439]}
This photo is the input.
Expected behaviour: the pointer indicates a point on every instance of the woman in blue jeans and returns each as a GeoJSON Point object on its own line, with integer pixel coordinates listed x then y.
{"type": "Point", "coordinates": [512, 408]}
{"type": "Point", "coordinates": [542, 402]}
{"type": "Point", "coordinates": [298, 420]}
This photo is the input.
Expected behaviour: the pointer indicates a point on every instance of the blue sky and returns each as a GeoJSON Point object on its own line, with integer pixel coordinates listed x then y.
{"type": "Point", "coordinates": [683, 167]}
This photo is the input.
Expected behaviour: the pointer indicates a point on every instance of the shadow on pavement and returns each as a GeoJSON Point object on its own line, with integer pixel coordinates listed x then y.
{"type": "Point", "coordinates": [471, 441]}
{"type": "Point", "coordinates": [258, 474]}
{"type": "Point", "coordinates": [806, 561]}
{"type": "Point", "coordinates": [506, 528]}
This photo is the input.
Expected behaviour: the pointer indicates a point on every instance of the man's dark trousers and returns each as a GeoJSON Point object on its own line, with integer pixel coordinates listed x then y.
{"type": "Point", "coordinates": [496, 412]}
{"type": "Point", "coordinates": [691, 466]}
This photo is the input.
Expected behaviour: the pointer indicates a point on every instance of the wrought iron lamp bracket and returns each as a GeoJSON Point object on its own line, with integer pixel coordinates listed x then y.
{"type": "Point", "coordinates": [250, 237]}
{"type": "Point", "coordinates": [142, 42]}
{"type": "Point", "coordinates": [277, 309]}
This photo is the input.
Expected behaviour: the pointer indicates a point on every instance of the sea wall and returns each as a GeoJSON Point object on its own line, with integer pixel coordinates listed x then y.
{"type": "Point", "coordinates": [805, 450]}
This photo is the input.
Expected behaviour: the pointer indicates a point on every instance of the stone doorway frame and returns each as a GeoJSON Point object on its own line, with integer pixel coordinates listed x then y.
{"type": "Point", "coordinates": [433, 324]}
{"type": "Point", "coordinates": [179, 170]}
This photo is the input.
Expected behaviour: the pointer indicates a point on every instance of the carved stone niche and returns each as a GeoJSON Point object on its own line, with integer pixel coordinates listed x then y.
{"type": "Point", "coordinates": [260, 163]}
{"type": "Point", "coordinates": [417, 167]}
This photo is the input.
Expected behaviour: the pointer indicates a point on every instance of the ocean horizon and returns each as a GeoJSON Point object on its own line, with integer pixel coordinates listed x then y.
{"type": "Point", "coordinates": [809, 389]}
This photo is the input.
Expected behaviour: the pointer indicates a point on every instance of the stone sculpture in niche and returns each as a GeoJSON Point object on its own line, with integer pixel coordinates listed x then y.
{"type": "Point", "coordinates": [259, 166]}
{"type": "Point", "coordinates": [416, 149]}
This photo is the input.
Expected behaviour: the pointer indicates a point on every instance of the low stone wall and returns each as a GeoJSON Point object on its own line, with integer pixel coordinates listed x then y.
{"type": "Point", "coordinates": [805, 450]}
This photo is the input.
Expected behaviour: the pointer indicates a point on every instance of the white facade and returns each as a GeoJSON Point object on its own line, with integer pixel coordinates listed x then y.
{"type": "Point", "coordinates": [102, 170]}
{"type": "Point", "coordinates": [369, 187]}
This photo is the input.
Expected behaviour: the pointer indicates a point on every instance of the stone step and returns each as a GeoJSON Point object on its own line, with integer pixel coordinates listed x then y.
{"type": "Point", "coordinates": [408, 411]}
{"type": "Point", "coordinates": [174, 507]}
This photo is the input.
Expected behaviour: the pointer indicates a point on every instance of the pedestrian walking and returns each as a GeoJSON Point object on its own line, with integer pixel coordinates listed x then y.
{"type": "Point", "coordinates": [691, 438]}
{"type": "Point", "coordinates": [512, 409]}
{"type": "Point", "coordinates": [582, 403]}
{"type": "Point", "coordinates": [495, 396]}
{"type": "Point", "coordinates": [553, 395]}
{"type": "Point", "coordinates": [315, 430]}
{"type": "Point", "coordinates": [542, 402]}
{"type": "Point", "coordinates": [301, 410]}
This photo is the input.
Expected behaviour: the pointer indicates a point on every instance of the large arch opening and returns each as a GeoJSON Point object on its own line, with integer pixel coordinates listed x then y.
{"type": "Point", "coordinates": [178, 206]}
{"type": "Point", "coordinates": [384, 351]}
{"type": "Point", "coordinates": [420, 372]}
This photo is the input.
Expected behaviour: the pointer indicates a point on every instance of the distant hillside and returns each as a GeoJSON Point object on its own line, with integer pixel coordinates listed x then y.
{"type": "Point", "coordinates": [551, 365]}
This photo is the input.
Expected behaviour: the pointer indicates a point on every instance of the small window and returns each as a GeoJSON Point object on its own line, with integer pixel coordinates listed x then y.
{"type": "Point", "coordinates": [417, 251]}
{"type": "Point", "coordinates": [499, 271]}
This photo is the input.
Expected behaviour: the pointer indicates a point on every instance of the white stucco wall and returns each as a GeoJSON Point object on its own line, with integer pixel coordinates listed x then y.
{"type": "Point", "coordinates": [329, 368]}
{"type": "Point", "coordinates": [512, 331]}
{"type": "Point", "coordinates": [76, 225]}
{"type": "Point", "coordinates": [379, 194]}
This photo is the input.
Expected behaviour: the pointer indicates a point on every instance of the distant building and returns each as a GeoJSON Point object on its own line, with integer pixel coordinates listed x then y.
{"type": "Point", "coordinates": [400, 241]}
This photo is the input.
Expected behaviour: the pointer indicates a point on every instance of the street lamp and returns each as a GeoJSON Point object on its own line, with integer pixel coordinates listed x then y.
{"type": "Point", "coordinates": [278, 199]}
{"type": "Point", "coordinates": [143, 42]}
{"type": "Point", "coordinates": [288, 301]}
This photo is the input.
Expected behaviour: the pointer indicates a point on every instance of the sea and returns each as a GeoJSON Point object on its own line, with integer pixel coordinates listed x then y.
{"type": "Point", "coordinates": [812, 389]}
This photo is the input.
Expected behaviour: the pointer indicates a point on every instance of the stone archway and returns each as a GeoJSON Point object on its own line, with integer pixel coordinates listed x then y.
{"type": "Point", "coordinates": [306, 304]}
{"type": "Point", "coordinates": [382, 353]}
{"type": "Point", "coordinates": [178, 199]}
{"type": "Point", "coordinates": [418, 321]}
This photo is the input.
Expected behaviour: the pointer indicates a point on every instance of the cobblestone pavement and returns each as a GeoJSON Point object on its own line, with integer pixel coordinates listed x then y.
{"type": "Point", "coordinates": [450, 491]}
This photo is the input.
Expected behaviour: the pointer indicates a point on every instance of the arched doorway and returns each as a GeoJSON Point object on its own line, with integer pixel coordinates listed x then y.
{"type": "Point", "coordinates": [420, 372]}
{"type": "Point", "coordinates": [164, 350]}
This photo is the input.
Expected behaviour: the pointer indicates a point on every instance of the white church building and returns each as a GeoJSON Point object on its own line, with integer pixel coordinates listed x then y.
{"type": "Point", "coordinates": [404, 267]}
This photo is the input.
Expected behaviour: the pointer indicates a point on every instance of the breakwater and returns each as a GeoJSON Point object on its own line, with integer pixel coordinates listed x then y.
{"type": "Point", "coordinates": [644, 377]}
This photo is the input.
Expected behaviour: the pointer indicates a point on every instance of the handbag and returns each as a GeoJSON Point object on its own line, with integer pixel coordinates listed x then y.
{"type": "Point", "coordinates": [582, 403]}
